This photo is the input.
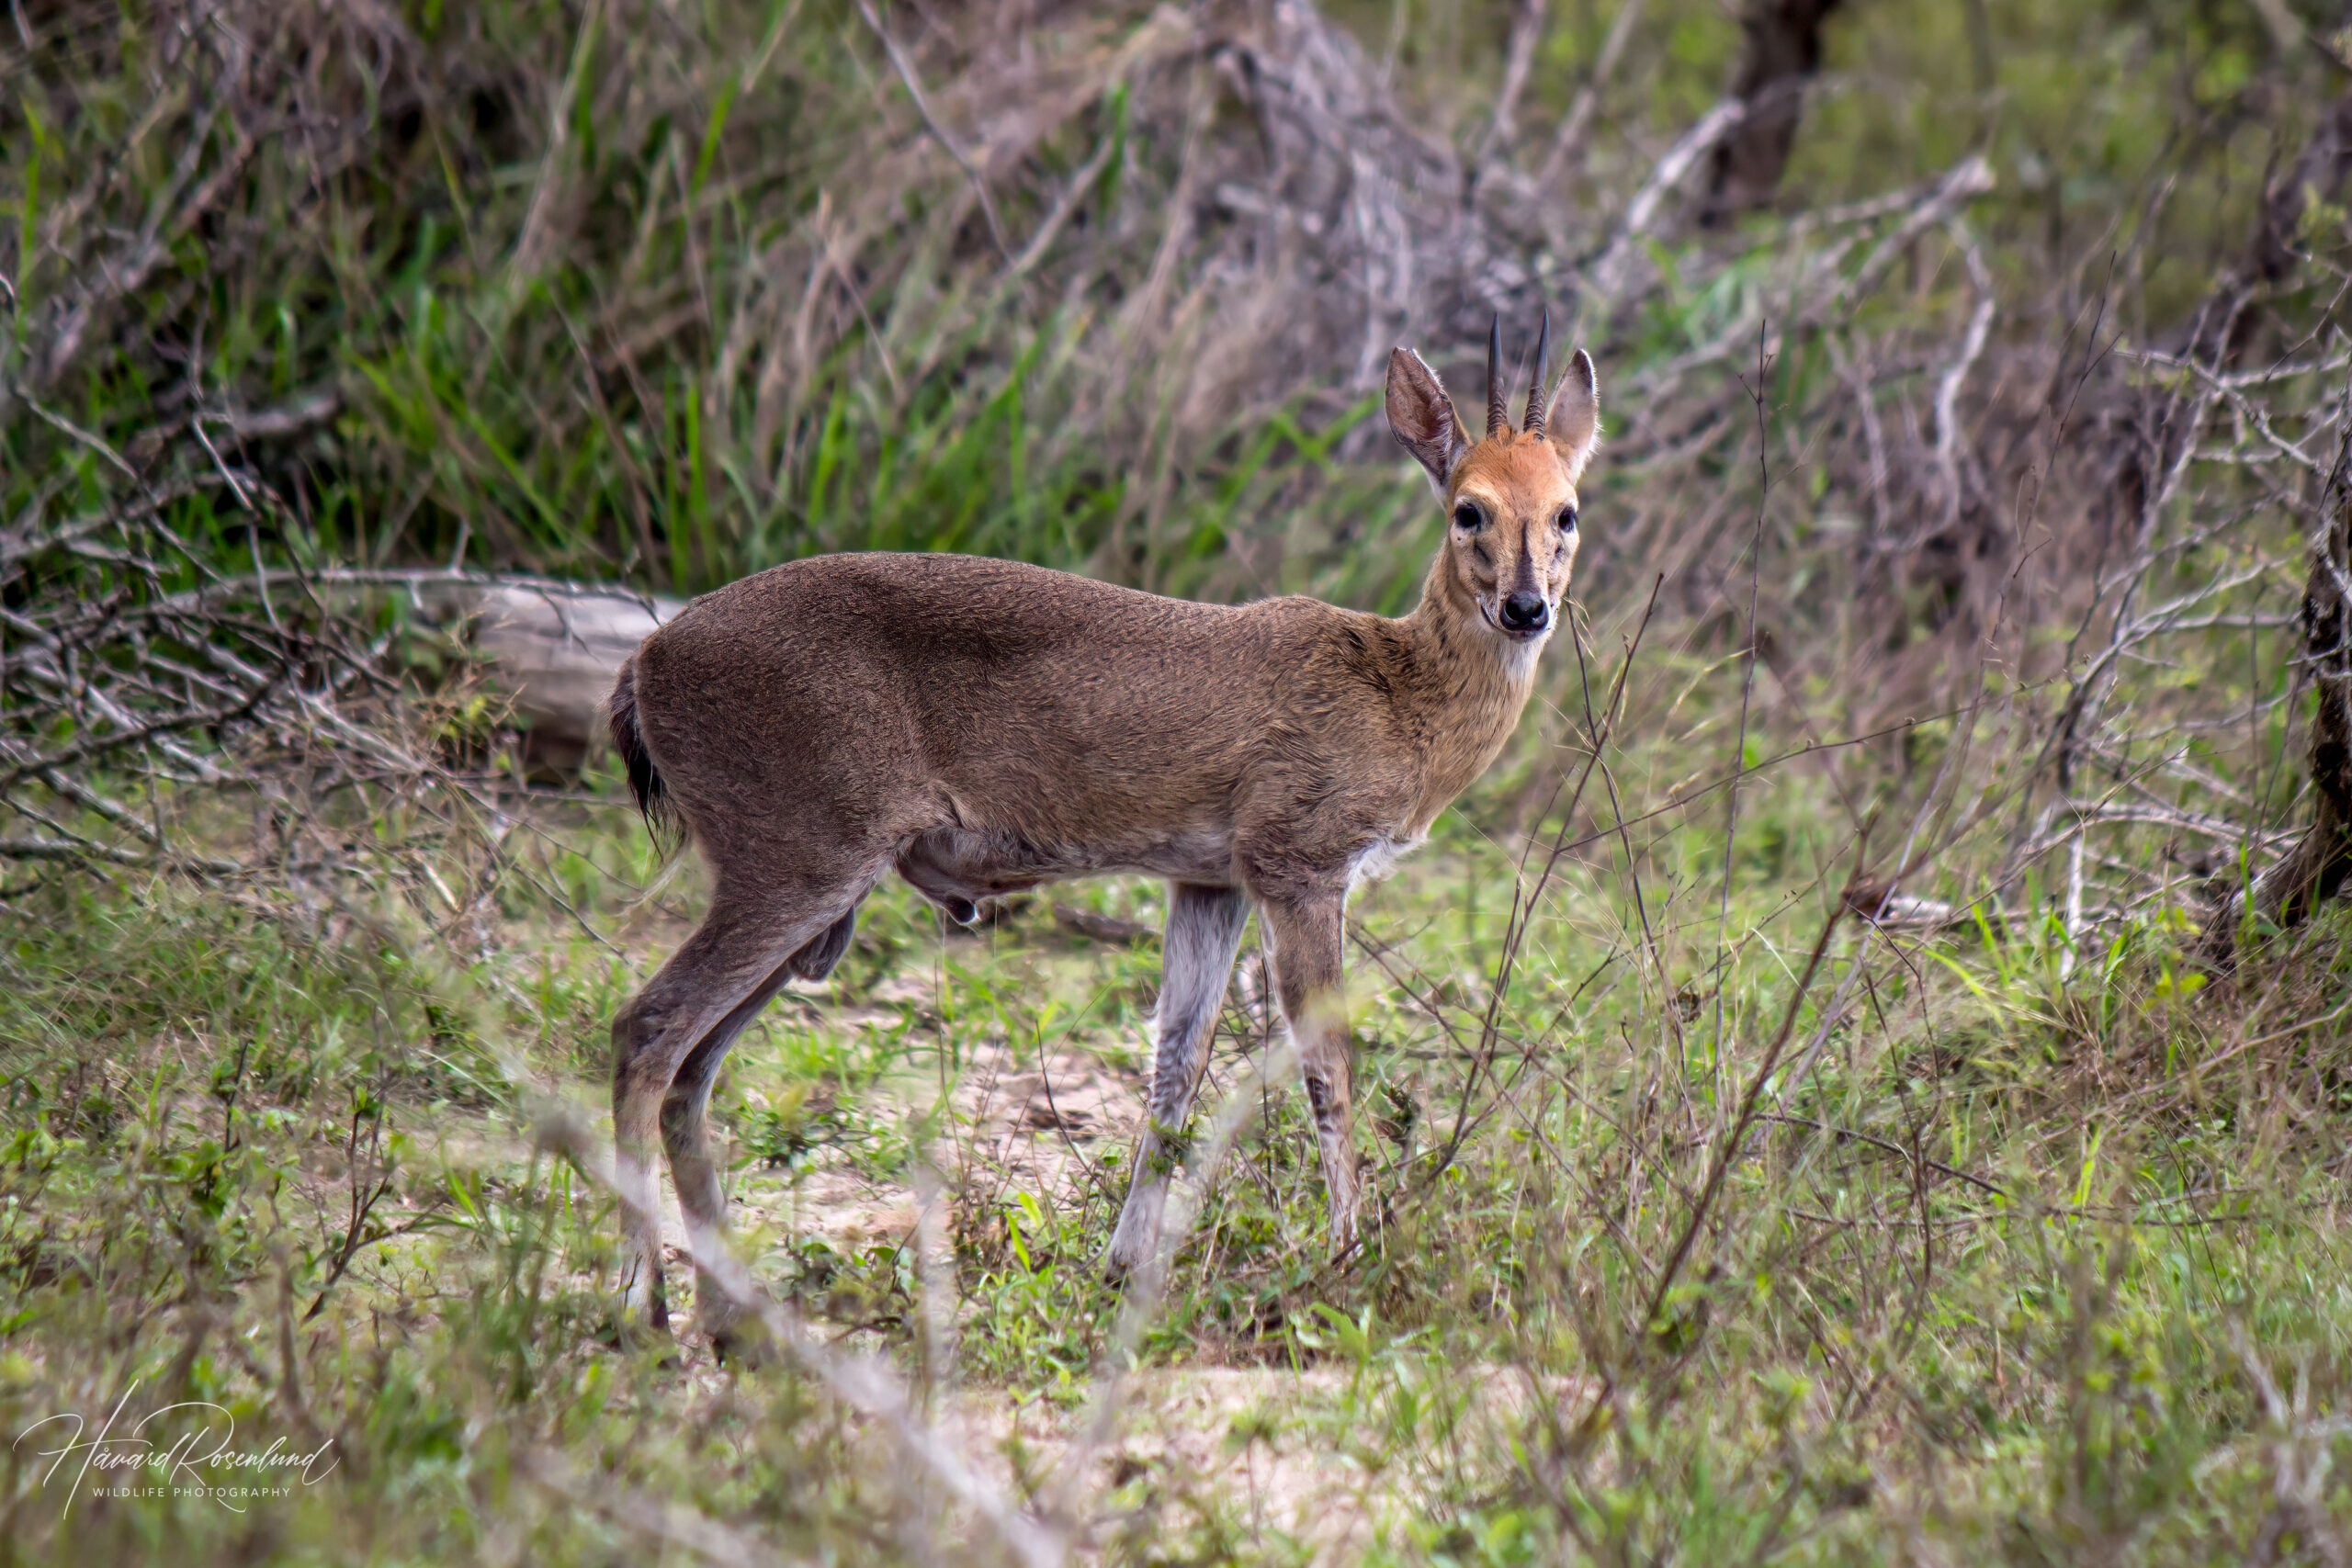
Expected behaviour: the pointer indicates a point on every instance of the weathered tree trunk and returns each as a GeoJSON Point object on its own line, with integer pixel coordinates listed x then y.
{"type": "Point", "coordinates": [2314, 870]}
{"type": "Point", "coordinates": [1782, 52]}
{"type": "Point", "coordinates": [2232, 320]}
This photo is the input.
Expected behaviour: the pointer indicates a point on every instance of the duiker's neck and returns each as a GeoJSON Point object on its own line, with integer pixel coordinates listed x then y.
{"type": "Point", "coordinates": [1466, 683]}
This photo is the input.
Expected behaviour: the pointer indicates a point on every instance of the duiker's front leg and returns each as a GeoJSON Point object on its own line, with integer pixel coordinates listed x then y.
{"type": "Point", "coordinates": [1307, 933]}
{"type": "Point", "coordinates": [1196, 958]}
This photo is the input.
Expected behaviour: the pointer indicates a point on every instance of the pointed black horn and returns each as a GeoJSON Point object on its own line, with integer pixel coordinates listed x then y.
{"type": "Point", "coordinates": [1498, 417]}
{"type": "Point", "coordinates": [1534, 421]}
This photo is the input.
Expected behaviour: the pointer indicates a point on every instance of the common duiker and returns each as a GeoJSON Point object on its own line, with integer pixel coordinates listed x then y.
{"type": "Point", "coordinates": [982, 727]}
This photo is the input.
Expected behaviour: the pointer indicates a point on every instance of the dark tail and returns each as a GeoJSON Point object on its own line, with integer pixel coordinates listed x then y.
{"type": "Point", "coordinates": [644, 779]}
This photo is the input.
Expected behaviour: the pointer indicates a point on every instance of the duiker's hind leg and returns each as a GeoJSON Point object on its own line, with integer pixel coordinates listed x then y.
{"type": "Point", "coordinates": [1203, 932]}
{"type": "Point", "coordinates": [743, 947]}
{"type": "Point", "coordinates": [685, 1125]}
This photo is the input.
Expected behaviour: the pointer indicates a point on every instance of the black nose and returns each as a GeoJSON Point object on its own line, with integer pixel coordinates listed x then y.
{"type": "Point", "coordinates": [1525, 613]}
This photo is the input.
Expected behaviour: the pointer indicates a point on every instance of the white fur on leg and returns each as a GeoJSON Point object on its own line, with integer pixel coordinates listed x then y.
{"type": "Point", "coordinates": [1321, 1034]}
{"type": "Point", "coordinates": [641, 1196]}
{"type": "Point", "coordinates": [1204, 930]}
{"type": "Point", "coordinates": [713, 1314]}
{"type": "Point", "coordinates": [1138, 1235]}
{"type": "Point", "coordinates": [729, 1320]}
{"type": "Point", "coordinates": [1344, 1199]}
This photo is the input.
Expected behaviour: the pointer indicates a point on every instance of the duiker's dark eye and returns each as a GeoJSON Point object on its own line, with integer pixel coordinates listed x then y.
{"type": "Point", "coordinates": [1568, 520]}
{"type": "Point", "coordinates": [1468, 518]}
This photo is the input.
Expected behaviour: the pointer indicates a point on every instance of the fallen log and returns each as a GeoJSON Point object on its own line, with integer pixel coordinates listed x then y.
{"type": "Point", "coordinates": [555, 656]}
{"type": "Point", "coordinates": [550, 649]}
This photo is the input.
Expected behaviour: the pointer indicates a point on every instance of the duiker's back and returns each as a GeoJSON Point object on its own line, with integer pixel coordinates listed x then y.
{"type": "Point", "coordinates": [1037, 700]}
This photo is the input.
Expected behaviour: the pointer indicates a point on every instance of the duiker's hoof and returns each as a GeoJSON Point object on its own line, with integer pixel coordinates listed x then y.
{"type": "Point", "coordinates": [745, 1345]}
{"type": "Point", "coordinates": [1131, 1248]}
{"type": "Point", "coordinates": [631, 1333]}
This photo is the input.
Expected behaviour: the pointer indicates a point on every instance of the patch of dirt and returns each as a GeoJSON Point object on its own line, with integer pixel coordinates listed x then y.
{"type": "Point", "coordinates": [1191, 1441]}
{"type": "Point", "coordinates": [1041, 1126]}
{"type": "Point", "coordinates": [1020, 1125]}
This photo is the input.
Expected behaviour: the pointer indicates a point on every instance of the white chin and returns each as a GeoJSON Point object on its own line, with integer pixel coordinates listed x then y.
{"type": "Point", "coordinates": [1519, 652]}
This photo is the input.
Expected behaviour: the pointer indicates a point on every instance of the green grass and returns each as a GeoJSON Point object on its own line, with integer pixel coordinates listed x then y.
{"type": "Point", "coordinates": [2134, 1347]}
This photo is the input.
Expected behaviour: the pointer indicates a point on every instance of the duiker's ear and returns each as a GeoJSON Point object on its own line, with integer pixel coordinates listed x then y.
{"type": "Point", "coordinates": [1422, 418]}
{"type": "Point", "coordinates": [1574, 422]}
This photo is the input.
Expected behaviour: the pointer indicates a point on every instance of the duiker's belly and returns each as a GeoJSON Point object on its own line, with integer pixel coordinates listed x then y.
{"type": "Point", "coordinates": [957, 867]}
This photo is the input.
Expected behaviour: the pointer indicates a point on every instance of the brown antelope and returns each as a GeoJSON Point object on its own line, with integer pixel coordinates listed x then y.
{"type": "Point", "coordinates": [983, 727]}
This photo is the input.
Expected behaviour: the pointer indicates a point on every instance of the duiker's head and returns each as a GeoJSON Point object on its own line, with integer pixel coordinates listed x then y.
{"type": "Point", "coordinates": [1511, 498]}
